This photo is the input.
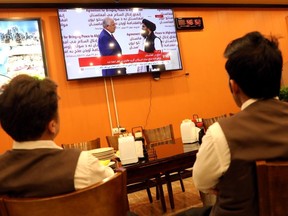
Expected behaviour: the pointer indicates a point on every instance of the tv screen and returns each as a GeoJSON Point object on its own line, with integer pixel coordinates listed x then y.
{"type": "Point", "coordinates": [113, 42]}
{"type": "Point", "coordinates": [21, 48]}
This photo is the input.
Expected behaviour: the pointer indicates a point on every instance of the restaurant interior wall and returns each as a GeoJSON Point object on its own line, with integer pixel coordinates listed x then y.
{"type": "Point", "coordinates": [142, 101]}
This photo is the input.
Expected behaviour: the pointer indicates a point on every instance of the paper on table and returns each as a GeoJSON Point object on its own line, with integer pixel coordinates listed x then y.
{"type": "Point", "coordinates": [127, 150]}
{"type": "Point", "coordinates": [139, 148]}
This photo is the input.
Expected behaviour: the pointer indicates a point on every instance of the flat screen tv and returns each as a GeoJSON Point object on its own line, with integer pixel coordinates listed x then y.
{"type": "Point", "coordinates": [21, 48]}
{"type": "Point", "coordinates": [84, 44]}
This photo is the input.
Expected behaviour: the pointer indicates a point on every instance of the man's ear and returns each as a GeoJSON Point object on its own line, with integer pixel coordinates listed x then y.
{"type": "Point", "coordinates": [237, 93]}
{"type": "Point", "coordinates": [52, 126]}
{"type": "Point", "coordinates": [234, 87]}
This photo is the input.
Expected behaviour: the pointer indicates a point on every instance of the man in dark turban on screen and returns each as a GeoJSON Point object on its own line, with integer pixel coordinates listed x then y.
{"type": "Point", "coordinates": [151, 43]}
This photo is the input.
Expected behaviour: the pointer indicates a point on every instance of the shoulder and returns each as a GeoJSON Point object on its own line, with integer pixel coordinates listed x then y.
{"type": "Point", "coordinates": [216, 133]}
{"type": "Point", "coordinates": [103, 33]}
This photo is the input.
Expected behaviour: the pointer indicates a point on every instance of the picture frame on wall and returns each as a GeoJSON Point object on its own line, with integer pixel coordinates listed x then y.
{"type": "Point", "coordinates": [21, 48]}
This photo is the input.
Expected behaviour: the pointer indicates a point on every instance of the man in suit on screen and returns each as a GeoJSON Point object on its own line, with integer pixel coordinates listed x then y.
{"type": "Point", "coordinates": [108, 46]}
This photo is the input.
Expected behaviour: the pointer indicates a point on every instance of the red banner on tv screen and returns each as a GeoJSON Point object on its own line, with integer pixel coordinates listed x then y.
{"type": "Point", "coordinates": [123, 59]}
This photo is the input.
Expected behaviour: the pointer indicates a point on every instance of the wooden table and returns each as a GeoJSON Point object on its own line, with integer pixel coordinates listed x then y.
{"type": "Point", "coordinates": [140, 172]}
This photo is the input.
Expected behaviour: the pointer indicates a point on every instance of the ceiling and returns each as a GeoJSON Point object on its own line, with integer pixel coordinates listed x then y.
{"type": "Point", "coordinates": [147, 2]}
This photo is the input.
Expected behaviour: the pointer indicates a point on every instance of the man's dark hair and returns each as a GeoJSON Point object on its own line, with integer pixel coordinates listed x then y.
{"type": "Point", "coordinates": [255, 64]}
{"type": "Point", "coordinates": [27, 105]}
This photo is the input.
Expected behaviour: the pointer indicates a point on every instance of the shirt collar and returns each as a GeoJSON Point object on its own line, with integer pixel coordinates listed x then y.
{"type": "Point", "coordinates": [35, 144]}
{"type": "Point", "coordinates": [251, 101]}
{"type": "Point", "coordinates": [108, 31]}
{"type": "Point", "coordinates": [247, 103]}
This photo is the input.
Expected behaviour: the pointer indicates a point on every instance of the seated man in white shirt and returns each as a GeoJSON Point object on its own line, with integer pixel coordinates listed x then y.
{"type": "Point", "coordinates": [225, 163]}
{"type": "Point", "coordinates": [36, 166]}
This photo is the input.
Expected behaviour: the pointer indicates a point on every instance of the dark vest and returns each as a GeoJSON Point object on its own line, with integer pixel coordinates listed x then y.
{"type": "Point", "coordinates": [257, 132]}
{"type": "Point", "coordinates": [150, 40]}
{"type": "Point", "coordinates": [38, 172]}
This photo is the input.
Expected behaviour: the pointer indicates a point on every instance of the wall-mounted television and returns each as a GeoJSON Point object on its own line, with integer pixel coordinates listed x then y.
{"type": "Point", "coordinates": [21, 48]}
{"type": "Point", "coordinates": [83, 43]}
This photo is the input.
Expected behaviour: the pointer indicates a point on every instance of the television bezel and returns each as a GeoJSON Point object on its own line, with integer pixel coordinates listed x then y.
{"type": "Point", "coordinates": [154, 73]}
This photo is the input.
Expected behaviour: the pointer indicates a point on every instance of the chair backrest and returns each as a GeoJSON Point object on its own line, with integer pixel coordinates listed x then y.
{"type": "Point", "coordinates": [108, 197]}
{"type": "Point", "coordinates": [209, 121]}
{"type": "Point", "coordinates": [159, 136]}
{"type": "Point", "coordinates": [272, 187]}
{"type": "Point", "coordinates": [112, 141]}
{"type": "Point", "coordinates": [87, 145]}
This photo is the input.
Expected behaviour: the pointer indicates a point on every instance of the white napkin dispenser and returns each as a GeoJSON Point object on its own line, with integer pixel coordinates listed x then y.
{"type": "Point", "coordinates": [127, 150]}
{"type": "Point", "coordinates": [189, 132]}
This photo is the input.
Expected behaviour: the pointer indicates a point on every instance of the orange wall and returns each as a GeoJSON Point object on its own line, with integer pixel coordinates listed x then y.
{"type": "Point", "coordinates": [140, 99]}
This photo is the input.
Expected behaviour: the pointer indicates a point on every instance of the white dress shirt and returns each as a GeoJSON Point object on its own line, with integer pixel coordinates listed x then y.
{"type": "Point", "coordinates": [213, 157]}
{"type": "Point", "coordinates": [88, 170]}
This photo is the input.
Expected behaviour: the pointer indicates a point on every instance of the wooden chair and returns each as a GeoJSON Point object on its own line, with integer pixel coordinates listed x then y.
{"type": "Point", "coordinates": [108, 197]}
{"type": "Point", "coordinates": [272, 179]}
{"type": "Point", "coordinates": [209, 121]}
{"type": "Point", "coordinates": [160, 136]}
{"type": "Point", "coordinates": [112, 141]}
{"type": "Point", "coordinates": [87, 145]}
